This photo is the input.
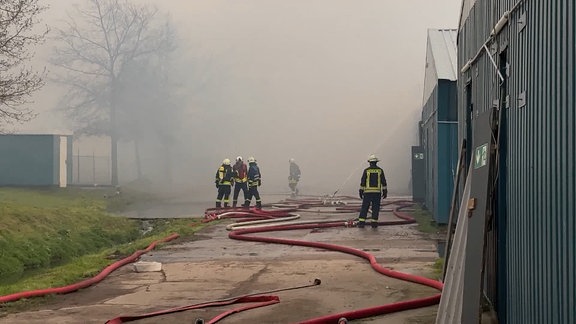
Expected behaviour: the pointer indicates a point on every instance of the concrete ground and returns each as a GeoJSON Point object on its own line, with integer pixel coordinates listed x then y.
{"type": "Point", "coordinates": [212, 267]}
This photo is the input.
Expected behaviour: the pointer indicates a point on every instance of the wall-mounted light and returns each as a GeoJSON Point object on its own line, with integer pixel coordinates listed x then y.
{"type": "Point", "coordinates": [500, 24]}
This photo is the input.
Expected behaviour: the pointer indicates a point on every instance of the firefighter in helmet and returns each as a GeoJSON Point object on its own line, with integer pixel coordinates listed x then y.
{"type": "Point", "coordinates": [240, 180]}
{"type": "Point", "coordinates": [254, 181]}
{"type": "Point", "coordinates": [294, 177]}
{"type": "Point", "coordinates": [224, 181]}
{"type": "Point", "coordinates": [373, 188]}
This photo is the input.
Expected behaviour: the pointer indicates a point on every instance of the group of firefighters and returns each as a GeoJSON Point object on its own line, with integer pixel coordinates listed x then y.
{"type": "Point", "coordinates": [246, 179]}
{"type": "Point", "coordinates": [241, 177]}
{"type": "Point", "coordinates": [373, 186]}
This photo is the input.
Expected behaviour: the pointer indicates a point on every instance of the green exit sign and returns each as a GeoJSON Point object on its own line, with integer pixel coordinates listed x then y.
{"type": "Point", "coordinates": [480, 156]}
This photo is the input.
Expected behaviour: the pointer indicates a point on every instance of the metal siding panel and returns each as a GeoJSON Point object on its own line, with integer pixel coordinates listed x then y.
{"type": "Point", "coordinates": [555, 231]}
{"type": "Point", "coordinates": [440, 215]}
{"type": "Point", "coordinates": [541, 190]}
{"type": "Point", "coordinates": [29, 159]}
{"type": "Point", "coordinates": [547, 201]}
{"type": "Point", "coordinates": [514, 179]}
{"type": "Point", "coordinates": [430, 74]}
{"type": "Point", "coordinates": [429, 125]}
{"type": "Point", "coordinates": [447, 160]}
{"type": "Point", "coordinates": [450, 307]}
{"type": "Point", "coordinates": [474, 256]}
{"type": "Point", "coordinates": [526, 308]}
{"type": "Point", "coordinates": [571, 153]}
{"type": "Point", "coordinates": [536, 90]}
{"type": "Point", "coordinates": [440, 156]}
{"type": "Point", "coordinates": [418, 175]}
{"type": "Point", "coordinates": [442, 52]}
{"type": "Point", "coordinates": [447, 151]}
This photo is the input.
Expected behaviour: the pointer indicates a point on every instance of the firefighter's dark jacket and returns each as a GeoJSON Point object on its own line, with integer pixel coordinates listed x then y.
{"type": "Point", "coordinates": [253, 175]}
{"type": "Point", "coordinates": [373, 179]}
{"type": "Point", "coordinates": [224, 175]}
{"type": "Point", "coordinates": [294, 171]}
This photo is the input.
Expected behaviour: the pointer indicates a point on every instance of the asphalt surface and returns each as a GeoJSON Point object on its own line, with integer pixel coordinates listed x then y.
{"type": "Point", "coordinates": [213, 266]}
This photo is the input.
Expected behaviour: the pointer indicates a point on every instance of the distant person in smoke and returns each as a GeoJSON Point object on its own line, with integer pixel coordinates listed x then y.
{"type": "Point", "coordinates": [240, 180]}
{"type": "Point", "coordinates": [254, 181]}
{"type": "Point", "coordinates": [294, 177]}
{"type": "Point", "coordinates": [224, 181]}
{"type": "Point", "coordinates": [373, 188]}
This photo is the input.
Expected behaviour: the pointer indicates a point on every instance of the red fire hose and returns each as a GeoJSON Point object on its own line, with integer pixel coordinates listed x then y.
{"type": "Point", "coordinates": [260, 301]}
{"type": "Point", "coordinates": [88, 282]}
{"type": "Point", "coordinates": [357, 314]}
{"type": "Point", "coordinates": [242, 234]}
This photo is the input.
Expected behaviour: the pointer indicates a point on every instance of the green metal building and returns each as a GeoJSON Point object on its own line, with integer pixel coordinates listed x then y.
{"type": "Point", "coordinates": [517, 80]}
{"type": "Point", "coordinates": [35, 160]}
{"type": "Point", "coordinates": [439, 124]}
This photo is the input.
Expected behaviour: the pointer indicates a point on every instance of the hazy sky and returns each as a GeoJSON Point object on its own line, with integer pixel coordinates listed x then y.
{"type": "Point", "coordinates": [326, 82]}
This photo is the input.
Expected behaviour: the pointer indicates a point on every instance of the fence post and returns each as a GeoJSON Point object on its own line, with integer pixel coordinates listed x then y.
{"type": "Point", "coordinates": [78, 168]}
{"type": "Point", "coordinates": [93, 168]}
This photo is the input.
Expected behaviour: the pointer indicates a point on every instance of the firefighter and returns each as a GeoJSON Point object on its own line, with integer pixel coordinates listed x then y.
{"type": "Point", "coordinates": [224, 181]}
{"type": "Point", "coordinates": [294, 177]}
{"type": "Point", "coordinates": [254, 181]}
{"type": "Point", "coordinates": [240, 180]}
{"type": "Point", "coordinates": [373, 188]}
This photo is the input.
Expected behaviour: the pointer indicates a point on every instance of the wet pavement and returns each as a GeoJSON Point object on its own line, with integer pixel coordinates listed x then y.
{"type": "Point", "coordinates": [212, 266]}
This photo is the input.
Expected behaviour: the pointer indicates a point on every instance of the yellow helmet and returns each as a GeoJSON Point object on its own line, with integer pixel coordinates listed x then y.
{"type": "Point", "coordinates": [251, 159]}
{"type": "Point", "coordinates": [226, 162]}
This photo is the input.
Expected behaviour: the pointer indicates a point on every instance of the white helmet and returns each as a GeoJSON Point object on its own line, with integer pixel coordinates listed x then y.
{"type": "Point", "coordinates": [239, 158]}
{"type": "Point", "coordinates": [291, 160]}
{"type": "Point", "coordinates": [373, 158]}
{"type": "Point", "coordinates": [251, 159]}
{"type": "Point", "coordinates": [226, 162]}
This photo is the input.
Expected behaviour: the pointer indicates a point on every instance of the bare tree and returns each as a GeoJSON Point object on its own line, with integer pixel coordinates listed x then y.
{"type": "Point", "coordinates": [99, 40]}
{"type": "Point", "coordinates": [17, 81]}
{"type": "Point", "coordinates": [151, 108]}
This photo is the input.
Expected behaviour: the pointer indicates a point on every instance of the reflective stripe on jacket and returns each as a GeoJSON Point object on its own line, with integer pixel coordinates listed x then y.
{"type": "Point", "coordinates": [253, 175]}
{"type": "Point", "coordinates": [373, 179]}
{"type": "Point", "coordinates": [224, 175]}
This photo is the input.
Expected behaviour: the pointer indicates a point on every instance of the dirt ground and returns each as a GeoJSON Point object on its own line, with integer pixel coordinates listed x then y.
{"type": "Point", "coordinates": [213, 266]}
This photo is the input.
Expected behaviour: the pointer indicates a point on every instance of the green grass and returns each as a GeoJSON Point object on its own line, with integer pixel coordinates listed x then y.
{"type": "Point", "coordinates": [428, 226]}
{"type": "Point", "coordinates": [437, 268]}
{"type": "Point", "coordinates": [426, 223]}
{"type": "Point", "coordinates": [91, 264]}
{"type": "Point", "coordinates": [54, 237]}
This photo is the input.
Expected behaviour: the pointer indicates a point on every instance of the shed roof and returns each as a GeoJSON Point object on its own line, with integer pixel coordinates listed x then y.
{"type": "Point", "coordinates": [443, 46]}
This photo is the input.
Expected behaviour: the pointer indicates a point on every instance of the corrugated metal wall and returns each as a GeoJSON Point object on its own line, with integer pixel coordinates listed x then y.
{"type": "Point", "coordinates": [430, 135]}
{"type": "Point", "coordinates": [29, 160]}
{"type": "Point", "coordinates": [537, 233]}
{"type": "Point", "coordinates": [439, 126]}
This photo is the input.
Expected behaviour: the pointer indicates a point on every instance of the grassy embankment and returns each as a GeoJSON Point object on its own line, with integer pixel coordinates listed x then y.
{"type": "Point", "coordinates": [55, 237]}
